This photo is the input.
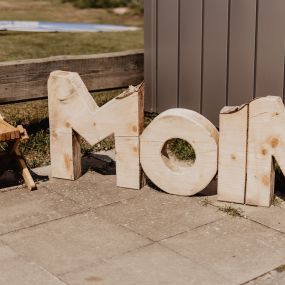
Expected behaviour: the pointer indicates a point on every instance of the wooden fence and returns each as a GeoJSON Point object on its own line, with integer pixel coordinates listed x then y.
{"type": "Point", "coordinates": [27, 79]}
{"type": "Point", "coordinates": [205, 54]}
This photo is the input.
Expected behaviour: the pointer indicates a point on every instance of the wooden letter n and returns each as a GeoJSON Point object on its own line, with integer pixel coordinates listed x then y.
{"type": "Point", "coordinates": [250, 137]}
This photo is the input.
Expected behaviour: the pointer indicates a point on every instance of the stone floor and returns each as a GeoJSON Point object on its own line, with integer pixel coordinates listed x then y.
{"type": "Point", "coordinates": [91, 232]}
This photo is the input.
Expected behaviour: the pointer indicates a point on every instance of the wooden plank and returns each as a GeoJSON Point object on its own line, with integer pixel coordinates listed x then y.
{"type": "Point", "coordinates": [167, 54]}
{"type": "Point", "coordinates": [127, 153]}
{"type": "Point", "coordinates": [232, 154]}
{"type": "Point", "coordinates": [270, 48]}
{"type": "Point", "coordinates": [27, 79]}
{"type": "Point", "coordinates": [215, 58]}
{"type": "Point", "coordinates": [241, 51]}
{"type": "Point", "coordinates": [190, 55]}
{"type": "Point", "coordinates": [150, 36]}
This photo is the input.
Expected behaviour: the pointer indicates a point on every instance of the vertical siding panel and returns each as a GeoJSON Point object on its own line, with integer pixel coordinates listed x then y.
{"type": "Point", "coordinates": [190, 54]}
{"type": "Point", "coordinates": [150, 54]}
{"type": "Point", "coordinates": [270, 48]}
{"type": "Point", "coordinates": [215, 58]}
{"type": "Point", "coordinates": [241, 51]}
{"type": "Point", "coordinates": [167, 54]}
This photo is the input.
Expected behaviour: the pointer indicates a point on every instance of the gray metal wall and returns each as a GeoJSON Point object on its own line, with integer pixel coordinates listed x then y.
{"type": "Point", "coordinates": [205, 54]}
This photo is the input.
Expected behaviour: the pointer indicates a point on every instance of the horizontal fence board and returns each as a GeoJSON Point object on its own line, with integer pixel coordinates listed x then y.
{"type": "Point", "coordinates": [27, 79]}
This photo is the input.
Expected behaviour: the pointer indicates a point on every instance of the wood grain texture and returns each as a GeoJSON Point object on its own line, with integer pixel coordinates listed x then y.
{"type": "Point", "coordinates": [8, 132]}
{"type": "Point", "coordinates": [72, 109]}
{"type": "Point", "coordinates": [232, 154]}
{"type": "Point", "coordinates": [266, 139]}
{"type": "Point", "coordinates": [169, 175]}
{"type": "Point", "coordinates": [27, 79]}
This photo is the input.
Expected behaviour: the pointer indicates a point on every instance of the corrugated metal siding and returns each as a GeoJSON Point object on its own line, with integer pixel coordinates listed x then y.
{"type": "Point", "coordinates": [205, 54]}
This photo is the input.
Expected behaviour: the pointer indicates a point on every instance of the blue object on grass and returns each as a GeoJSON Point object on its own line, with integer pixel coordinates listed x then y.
{"type": "Point", "coordinates": [30, 26]}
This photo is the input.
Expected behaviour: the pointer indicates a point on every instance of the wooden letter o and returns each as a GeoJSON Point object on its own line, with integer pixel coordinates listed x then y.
{"type": "Point", "coordinates": [192, 127]}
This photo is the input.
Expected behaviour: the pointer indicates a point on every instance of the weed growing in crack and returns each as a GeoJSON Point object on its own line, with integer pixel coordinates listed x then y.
{"type": "Point", "coordinates": [205, 202]}
{"type": "Point", "coordinates": [280, 268]}
{"type": "Point", "coordinates": [234, 212]}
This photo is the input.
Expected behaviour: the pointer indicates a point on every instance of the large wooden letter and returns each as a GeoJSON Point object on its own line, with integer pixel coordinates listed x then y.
{"type": "Point", "coordinates": [266, 139]}
{"type": "Point", "coordinates": [232, 154]}
{"type": "Point", "coordinates": [197, 131]}
{"type": "Point", "coordinates": [250, 137]}
{"type": "Point", "coordinates": [73, 112]}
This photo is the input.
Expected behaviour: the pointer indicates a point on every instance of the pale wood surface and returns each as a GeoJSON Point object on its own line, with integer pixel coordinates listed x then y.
{"type": "Point", "coordinates": [27, 79]}
{"type": "Point", "coordinates": [64, 144]}
{"type": "Point", "coordinates": [168, 175]}
{"type": "Point", "coordinates": [127, 153]}
{"type": "Point", "coordinates": [232, 154]}
{"type": "Point", "coordinates": [71, 107]}
{"type": "Point", "coordinates": [266, 139]}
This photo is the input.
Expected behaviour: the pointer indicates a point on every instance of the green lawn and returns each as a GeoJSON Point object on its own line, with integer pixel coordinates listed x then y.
{"type": "Point", "coordinates": [16, 45]}
{"type": "Point", "coordinates": [20, 45]}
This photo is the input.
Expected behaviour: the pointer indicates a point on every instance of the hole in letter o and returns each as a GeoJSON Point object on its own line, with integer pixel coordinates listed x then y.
{"type": "Point", "coordinates": [192, 127]}
{"type": "Point", "coordinates": [178, 153]}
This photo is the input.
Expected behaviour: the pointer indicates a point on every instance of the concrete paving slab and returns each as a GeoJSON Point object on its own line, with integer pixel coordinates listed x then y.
{"type": "Point", "coordinates": [244, 209]}
{"type": "Point", "coordinates": [22, 208]}
{"type": "Point", "coordinates": [271, 278]}
{"type": "Point", "coordinates": [66, 244]}
{"type": "Point", "coordinates": [273, 217]}
{"type": "Point", "coordinates": [236, 248]}
{"type": "Point", "coordinates": [51, 230]}
{"type": "Point", "coordinates": [14, 270]}
{"type": "Point", "coordinates": [42, 171]}
{"type": "Point", "coordinates": [152, 264]}
{"type": "Point", "coordinates": [158, 215]}
{"type": "Point", "coordinates": [92, 189]}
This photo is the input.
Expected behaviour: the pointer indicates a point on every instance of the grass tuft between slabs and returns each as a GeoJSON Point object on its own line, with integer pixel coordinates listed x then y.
{"type": "Point", "coordinates": [234, 212]}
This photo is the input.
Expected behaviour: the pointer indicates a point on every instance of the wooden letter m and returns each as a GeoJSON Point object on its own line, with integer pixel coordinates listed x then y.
{"type": "Point", "coordinates": [73, 112]}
